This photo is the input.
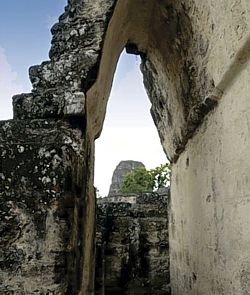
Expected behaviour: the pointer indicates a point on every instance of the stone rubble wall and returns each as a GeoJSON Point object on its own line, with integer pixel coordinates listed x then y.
{"type": "Point", "coordinates": [132, 247]}
{"type": "Point", "coordinates": [47, 206]}
{"type": "Point", "coordinates": [41, 171]}
{"type": "Point", "coordinates": [60, 85]}
{"type": "Point", "coordinates": [121, 197]}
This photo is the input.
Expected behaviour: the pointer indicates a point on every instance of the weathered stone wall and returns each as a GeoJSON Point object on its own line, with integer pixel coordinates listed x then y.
{"type": "Point", "coordinates": [200, 66]}
{"type": "Point", "coordinates": [132, 252]}
{"type": "Point", "coordinates": [42, 171]}
{"type": "Point", "coordinates": [195, 57]}
{"type": "Point", "coordinates": [60, 85]}
{"type": "Point", "coordinates": [46, 166]}
{"type": "Point", "coordinates": [209, 227]}
{"type": "Point", "coordinates": [121, 197]}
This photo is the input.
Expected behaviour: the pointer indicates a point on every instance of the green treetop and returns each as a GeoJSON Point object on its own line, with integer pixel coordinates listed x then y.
{"type": "Point", "coordinates": [143, 180]}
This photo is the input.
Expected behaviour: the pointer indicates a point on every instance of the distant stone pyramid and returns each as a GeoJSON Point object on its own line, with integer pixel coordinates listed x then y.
{"type": "Point", "coordinates": [121, 170]}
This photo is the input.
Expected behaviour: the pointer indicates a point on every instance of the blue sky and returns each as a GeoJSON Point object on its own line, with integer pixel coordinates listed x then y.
{"type": "Point", "coordinates": [25, 33]}
{"type": "Point", "coordinates": [128, 133]}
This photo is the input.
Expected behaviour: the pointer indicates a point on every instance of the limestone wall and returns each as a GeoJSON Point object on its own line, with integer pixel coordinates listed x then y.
{"type": "Point", "coordinates": [41, 186]}
{"type": "Point", "coordinates": [209, 227]}
{"type": "Point", "coordinates": [132, 251]}
{"type": "Point", "coordinates": [195, 62]}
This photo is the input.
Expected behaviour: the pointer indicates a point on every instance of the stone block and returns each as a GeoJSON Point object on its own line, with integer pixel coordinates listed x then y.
{"type": "Point", "coordinates": [41, 166]}
{"type": "Point", "coordinates": [133, 247]}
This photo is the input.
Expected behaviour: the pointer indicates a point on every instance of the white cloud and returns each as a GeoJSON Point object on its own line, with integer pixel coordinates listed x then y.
{"type": "Point", "coordinates": [8, 87]}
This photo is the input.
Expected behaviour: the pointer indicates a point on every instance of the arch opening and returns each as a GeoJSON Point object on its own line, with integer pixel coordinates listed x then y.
{"type": "Point", "coordinates": [168, 63]}
{"type": "Point", "coordinates": [181, 47]}
{"type": "Point", "coordinates": [170, 66]}
{"type": "Point", "coordinates": [123, 262]}
{"type": "Point", "coordinates": [129, 132]}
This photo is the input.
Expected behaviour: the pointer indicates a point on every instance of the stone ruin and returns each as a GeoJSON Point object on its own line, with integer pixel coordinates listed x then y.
{"type": "Point", "coordinates": [195, 63]}
{"type": "Point", "coordinates": [132, 241]}
{"type": "Point", "coordinates": [132, 246]}
{"type": "Point", "coordinates": [121, 170]}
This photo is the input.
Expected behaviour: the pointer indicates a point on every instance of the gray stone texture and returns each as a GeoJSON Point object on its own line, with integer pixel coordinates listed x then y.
{"type": "Point", "coordinates": [47, 209]}
{"type": "Point", "coordinates": [60, 85]}
{"type": "Point", "coordinates": [132, 247]}
{"type": "Point", "coordinates": [119, 174]}
{"type": "Point", "coordinates": [41, 169]}
{"type": "Point", "coordinates": [195, 62]}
